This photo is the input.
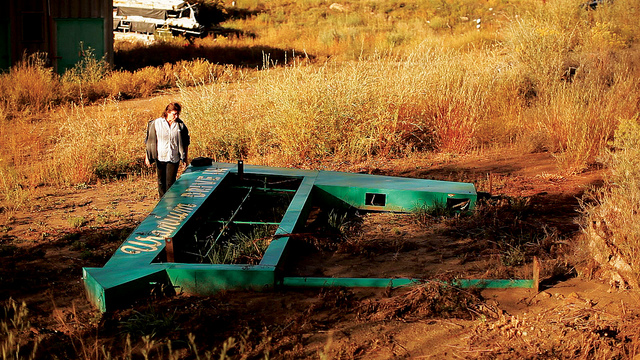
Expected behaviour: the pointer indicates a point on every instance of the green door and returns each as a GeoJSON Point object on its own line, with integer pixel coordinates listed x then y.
{"type": "Point", "coordinates": [74, 36]}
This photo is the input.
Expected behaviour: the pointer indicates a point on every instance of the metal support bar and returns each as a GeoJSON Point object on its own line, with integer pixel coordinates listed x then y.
{"type": "Point", "coordinates": [264, 189]}
{"type": "Point", "coordinates": [169, 249]}
{"type": "Point", "coordinates": [382, 282]}
{"type": "Point", "coordinates": [224, 227]}
{"type": "Point", "coordinates": [345, 282]}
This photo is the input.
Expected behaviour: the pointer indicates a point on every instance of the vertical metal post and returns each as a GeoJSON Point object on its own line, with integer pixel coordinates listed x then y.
{"type": "Point", "coordinates": [169, 249]}
{"type": "Point", "coordinates": [241, 169]}
{"type": "Point", "coordinates": [536, 274]}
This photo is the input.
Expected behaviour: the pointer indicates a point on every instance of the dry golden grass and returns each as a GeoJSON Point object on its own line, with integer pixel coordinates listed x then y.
{"type": "Point", "coordinates": [349, 30]}
{"type": "Point", "coordinates": [28, 86]}
{"type": "Point", "coordinates": [556, 77]}
{"type": "Point", "coordinates": [385, 105]}
{"type": "Point", "coordinates": [98, 142]}
{"type": "Point", "coordinates": [610, 214]}
{"type": "Point", "coordinates": [13, 321]}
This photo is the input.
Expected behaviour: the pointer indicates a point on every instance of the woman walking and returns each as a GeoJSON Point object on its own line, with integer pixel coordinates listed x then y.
{"type": "Point", "coordinates": [167, 143]}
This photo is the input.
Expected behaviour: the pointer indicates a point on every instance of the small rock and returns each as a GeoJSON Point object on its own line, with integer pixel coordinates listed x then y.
{"type": "Point", "coordinates": [544, 294]}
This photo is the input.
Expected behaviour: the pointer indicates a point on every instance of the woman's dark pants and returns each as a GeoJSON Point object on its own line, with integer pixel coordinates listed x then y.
{"type": "Point", "coordinates": [167, 173]}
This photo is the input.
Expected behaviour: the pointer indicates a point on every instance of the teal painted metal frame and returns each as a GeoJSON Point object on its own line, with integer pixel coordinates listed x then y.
{"type": "Point", "coordinates": [134, 270]}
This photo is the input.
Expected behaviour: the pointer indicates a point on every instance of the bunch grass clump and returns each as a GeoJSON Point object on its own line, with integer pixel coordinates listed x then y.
{"type": "Point", "coordinates": [242, 247]}
{"type": "Point", "coordinates": [610, 213]}
{"type": "Point", "coordinates": [14, 320]}
{"type": "Point", "coordinates": [29, 86]}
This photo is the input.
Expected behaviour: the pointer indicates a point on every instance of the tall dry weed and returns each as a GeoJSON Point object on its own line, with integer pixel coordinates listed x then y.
{"type": "Point", "coordinates": [544, 40]}
{"type": "Point", "coordinates": [610, 214]}
{"type": "Point", "coordinates": [573, 89]}
{"type": "Point", "coordinates": [577, 123]}
{"type": "Point", "coordinates": [14, 320]}
{"type": "Point", "coordinates": [81, 83]}
{"type": "Point", "coordinates": [383, 105]}
{"type": "Point", "coordinates": [29, 86]}
{"type": "Point", "coordinates": [95, 143]}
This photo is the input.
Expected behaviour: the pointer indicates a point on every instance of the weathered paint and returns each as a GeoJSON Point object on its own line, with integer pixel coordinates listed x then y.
{"type": "Point", "coordinates": [205, 279]}
{"type": "Point", "coordinates": [131, 268]}
{"type": "Point", "coordinates": [134, 270]}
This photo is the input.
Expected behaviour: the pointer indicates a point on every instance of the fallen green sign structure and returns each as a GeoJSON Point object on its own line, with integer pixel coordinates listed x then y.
{"type": "Point", "coordinates": [176, 247]}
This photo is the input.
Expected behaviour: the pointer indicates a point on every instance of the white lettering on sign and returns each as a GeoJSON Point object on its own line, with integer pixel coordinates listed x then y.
{"type": "Point", "coordinates": [204, 183]}
{"type": "Point", "coordinates": [166, 227]}
{"type": "Point", "coordinates": [199, 188]}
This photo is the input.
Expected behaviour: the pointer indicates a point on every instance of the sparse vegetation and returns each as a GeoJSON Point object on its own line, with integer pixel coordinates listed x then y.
{"type": "Point", "coordinates": [150, 323]}
{"type": "Point", "coordinates": [433, 299]}
{"type": "Point", "coordinates": [338, 222]}
{"type": "Point", "coordinates": [77, 221]}
{"type": "Point", "coordinates": [14, 320]}
{"type": "Point", "coordinates": [429, 214]}
{"type": "Point", "coordinates": [242, 248]}
{"type": "Point", "coordinates": [590, 334]}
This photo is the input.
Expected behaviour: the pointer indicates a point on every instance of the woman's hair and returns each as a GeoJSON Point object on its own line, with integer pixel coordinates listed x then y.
{"type": "Point", "coordinates": [172, 106]}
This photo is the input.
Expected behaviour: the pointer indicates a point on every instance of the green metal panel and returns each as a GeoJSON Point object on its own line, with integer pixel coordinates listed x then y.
{"type": "Point", "coordinates": [397, 194]}
{"type": "Point", "coordinates": [132, 262]}
{"type": "Point", "coordinates": [135, 269]}
{"type": "Point", "coordinates": [93, 289]}
{"type": "Point", "coordinates": [110, 288]}
{"type": "Point", "coordinates": [5, 40]}
{"type": "Point", "coordinates": [346, 282]}
{"type": "Point", "coordinates": [170, 214]}
{"type": "Point", "coordinates": [396, 282]}
{"type": "Point", "coordinates": [493, 283]}
{"type": "Point", "coordinates": [204, 279]}
{"type": "Point", "coordinates": [75, 35]}
{"type": "Point", "coordinates": [295, 216]}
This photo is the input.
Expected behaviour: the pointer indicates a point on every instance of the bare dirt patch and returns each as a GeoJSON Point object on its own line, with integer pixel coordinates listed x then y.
{"type": "Point", "coordinates": [45, 247]}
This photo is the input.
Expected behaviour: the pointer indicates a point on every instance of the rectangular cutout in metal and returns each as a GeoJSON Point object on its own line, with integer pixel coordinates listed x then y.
{"type": "Point", "coordinates": [374, 199]}
{"type": "Point", "coordinates": [458, 204]}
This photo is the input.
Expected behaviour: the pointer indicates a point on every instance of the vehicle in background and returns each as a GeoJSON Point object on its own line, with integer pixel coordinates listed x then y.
{"type": "Point", "coordinates": [176, 17]}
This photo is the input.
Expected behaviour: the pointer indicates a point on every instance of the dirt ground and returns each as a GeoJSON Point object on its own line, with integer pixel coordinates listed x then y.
{"type": "Point", "coordinates": [532, 211]}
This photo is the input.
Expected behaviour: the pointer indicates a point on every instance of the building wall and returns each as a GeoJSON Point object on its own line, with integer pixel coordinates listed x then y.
{"type": "Point", "coordinates": [34, 26]}
{"type": "Point", "coordinates": [5, 40]}
{"type": "Point", "coordinates": [81, 8]}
